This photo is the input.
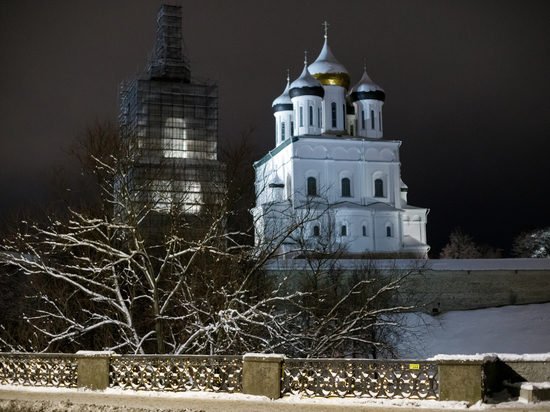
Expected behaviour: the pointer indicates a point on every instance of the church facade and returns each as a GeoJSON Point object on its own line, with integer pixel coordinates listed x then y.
{"type": "Point", "coordinates": [332, 179]}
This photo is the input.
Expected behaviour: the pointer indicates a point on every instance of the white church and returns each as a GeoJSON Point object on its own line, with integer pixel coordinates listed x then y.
{"type": "Point", "coordinates": [332, 174]}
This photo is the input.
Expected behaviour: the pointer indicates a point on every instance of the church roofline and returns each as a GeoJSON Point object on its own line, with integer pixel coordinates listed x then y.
{"type": "Point", "coordinates": [273, 152]}
{"type": "Point", "coordinates": [324, 136]}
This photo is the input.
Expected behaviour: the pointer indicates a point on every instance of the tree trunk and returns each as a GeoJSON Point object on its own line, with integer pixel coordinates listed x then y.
{"type": "Point", "coordinates": [158, 325]}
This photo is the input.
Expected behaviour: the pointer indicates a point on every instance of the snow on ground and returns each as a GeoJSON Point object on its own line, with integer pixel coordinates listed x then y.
{"type": "Point", "coordinates": [25, 399]}
{"type": "Point", "coordinates": [510, 330]}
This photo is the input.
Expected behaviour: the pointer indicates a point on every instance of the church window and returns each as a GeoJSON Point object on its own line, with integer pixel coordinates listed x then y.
{"type": "Point", "coordinates": [344, 231]}
{"type": "Point", "coordinates": [346, 187]}
{"type": "Point", "coordinates": [319, 117]}
{"type": "Point", "coordinates": [363, 119]}
{"type": "Point", "coordinates": [364, 230]}
{"type": "Point", "coordinates": [311, 186]}
{"type": "Point", "coordinates": [311, 115]}
{"type": "Point", "coordinates": [283, 131]}
{"type": "Point", "coordinates": [344, 117]}
{"type": "Point", "coordinates": [372, 119]}
{"type": "Point", "coordinates": [301, 116]}
{"type": "Point", "coordinates": [378, 188]}
{"type": "Point", "coordinates": [388, 231]}
{"type": "Point", "coordinates": [333, 106]}
{"type": "Point", "coordinates": [315, 230]}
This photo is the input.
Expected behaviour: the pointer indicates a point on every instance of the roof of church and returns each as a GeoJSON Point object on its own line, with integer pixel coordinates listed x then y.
{"type": "Point", "coordinates": [328, 70]}
{"type": "Point", "coordinates": [306, 84]}
{"type": "Point", "coordinates": [378, 206]}
{"type": "Point", "coordinates": [367, 89]}
{"type": "Point", "coordinates": [285, 97]}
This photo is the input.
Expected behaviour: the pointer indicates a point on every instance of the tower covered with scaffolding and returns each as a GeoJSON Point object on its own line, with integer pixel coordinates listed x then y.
{"type": "Point", "coordinates": [170, 120]}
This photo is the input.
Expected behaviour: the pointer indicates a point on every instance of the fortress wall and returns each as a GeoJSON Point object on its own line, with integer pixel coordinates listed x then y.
{"type": "Point", "coordinates": [450, 285]}
{"type": "Point", "coordinates": [478, 289]}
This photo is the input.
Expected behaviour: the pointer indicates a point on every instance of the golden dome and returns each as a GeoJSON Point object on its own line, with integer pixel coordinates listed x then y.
{"type": "Point", "coordinates": [333, 79]}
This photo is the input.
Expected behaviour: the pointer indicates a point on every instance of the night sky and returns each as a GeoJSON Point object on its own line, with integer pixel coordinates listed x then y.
{"type": "Point", "coordinates": [467, 89]}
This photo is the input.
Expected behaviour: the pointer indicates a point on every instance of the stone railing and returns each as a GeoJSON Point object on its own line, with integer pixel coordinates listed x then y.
{"type": "Point", "coordinates": [48, 370]}
{"type": "Point", "coordinates": [177, 373]}
{"type": "Point", "coordinates": [361, 378]}
{"type": "Point", "coordinates": [459, 378]}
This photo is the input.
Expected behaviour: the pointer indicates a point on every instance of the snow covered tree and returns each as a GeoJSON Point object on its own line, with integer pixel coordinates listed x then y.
{"type": "Point", "coordinates": [143, 272]}
{"type": "Point", "coordinates": [347, 310]}
{"type": "Point", "coordinates": [462, 246]}
{"type": "Point", "coordinates": [535, 244]}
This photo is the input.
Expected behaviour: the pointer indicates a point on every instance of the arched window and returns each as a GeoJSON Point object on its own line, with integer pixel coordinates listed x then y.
{"type": "Point", "coordinates": [363, 119]}
{"type": "Point", "coordinates": [315, 230]}
{"type": "Point", "coordinates": [311, 186]}
{"type": "Point", "coordinates": [283, 131]}
{"type": "Point", "coordinates": [311, 115]}
{"type": "Point", "coordinates": [372, 119]}
{"type": "Point", "coordinates": [388, 231]}
{"type": "Point", "coordinates": [301, 116]}
{"type": "Point", "coordinates": [364, 230]}
{"type": "Point", "coordinates": [378, 188]}
{"type": "Point", "coordinates": [344, 231]}
{"type": "Point", "coordinates": [333, 106]}
{"type": "Point", "coordinates": [344, 117]}
{"type": "Point", "coordinates": [346, 187]}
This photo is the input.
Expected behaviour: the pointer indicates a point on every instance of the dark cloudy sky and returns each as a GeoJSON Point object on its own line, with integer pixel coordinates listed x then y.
{"type": "Point", "coordinates": [467, 89]}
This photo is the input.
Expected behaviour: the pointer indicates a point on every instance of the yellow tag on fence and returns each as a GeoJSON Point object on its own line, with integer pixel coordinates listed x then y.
{"type": "Point", "coordinates": [414, 366]}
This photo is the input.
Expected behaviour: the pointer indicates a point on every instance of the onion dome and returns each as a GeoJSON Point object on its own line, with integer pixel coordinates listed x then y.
{"type": "Point", "coordinates": [306, 85]}
{"type": "Point", "coordinates": [366, 89]}
{"type": "Point", "coordinates": [283, 102]}
{"type": "Point", "coordinates": [328, 70]}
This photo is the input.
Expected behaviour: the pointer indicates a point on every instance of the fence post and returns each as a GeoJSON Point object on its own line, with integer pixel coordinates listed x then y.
{"type": "Point", "coordinates": [460, 380]}
{"type": "Point", "coordinates": [262, 374]}
{"type": "Point", "coordinates": [93, 369]}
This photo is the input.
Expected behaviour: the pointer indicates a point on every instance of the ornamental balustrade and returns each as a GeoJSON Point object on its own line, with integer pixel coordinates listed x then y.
{"type": "Point", "coordinates": [46, 370]}
{"type": "Point", "coordinates": [177, 373]}
{"type": "Point", "coordinates": [361, 378]}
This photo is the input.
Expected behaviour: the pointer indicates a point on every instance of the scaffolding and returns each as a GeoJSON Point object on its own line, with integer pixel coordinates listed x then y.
{"type": "Point", "coordinates": [172, 119]}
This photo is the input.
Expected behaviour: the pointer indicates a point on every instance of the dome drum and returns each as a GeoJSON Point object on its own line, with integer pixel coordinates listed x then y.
{"type": "Point", "coordinates": [371, 95]}
{"type": "Point", "coordinates": [307, 91]}
{"type": "Point", "coordinates": [281, 107]}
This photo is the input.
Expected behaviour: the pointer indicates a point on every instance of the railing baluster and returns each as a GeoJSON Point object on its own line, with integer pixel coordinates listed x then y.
{"type": "Point", "coordinates": [361, 378]}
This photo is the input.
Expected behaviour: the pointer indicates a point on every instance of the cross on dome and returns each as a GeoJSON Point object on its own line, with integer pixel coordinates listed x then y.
{"type": "Point", "coordinates": [326, 28]}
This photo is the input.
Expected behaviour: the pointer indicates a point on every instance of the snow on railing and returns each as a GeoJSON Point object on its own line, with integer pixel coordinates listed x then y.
{"type": "Point", "coordinates": [365, 378]}
{"type": "Point", "coordinates": [177, 373]}
{"type": "Point", "coordinates": [45, 369]}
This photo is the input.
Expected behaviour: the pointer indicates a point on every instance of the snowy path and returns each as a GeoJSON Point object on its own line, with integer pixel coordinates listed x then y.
{"type": "Point", "coordinates": [50, 400]}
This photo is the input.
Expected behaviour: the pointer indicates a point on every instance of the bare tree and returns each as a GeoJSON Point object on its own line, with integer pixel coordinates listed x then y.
{"type": "Point", "coordinates": [462, 246]}
{"type": "Point", "coordinates": [119, 277]}
{"type": "Point", "coordinates": [147, 271]}
{"type": "Point", "coordinates": [347, 307]}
